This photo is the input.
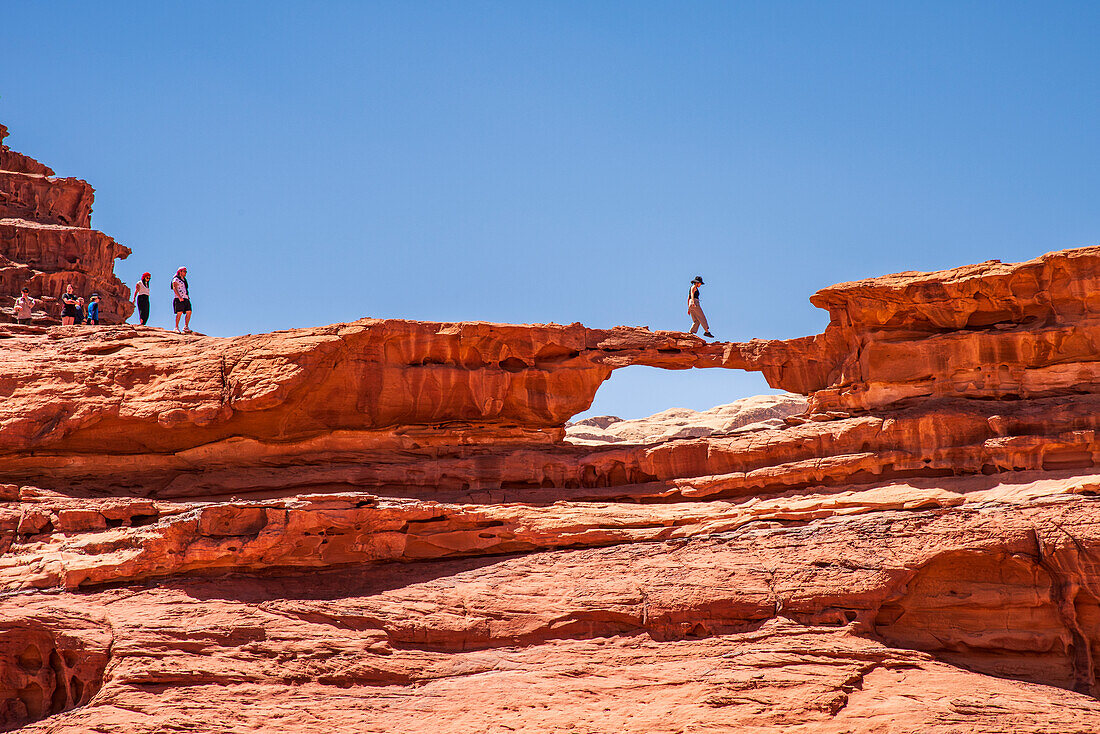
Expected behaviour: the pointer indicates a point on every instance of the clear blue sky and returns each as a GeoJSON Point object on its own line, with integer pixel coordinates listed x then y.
{"type": "Point", "coordinates": [561, 161]}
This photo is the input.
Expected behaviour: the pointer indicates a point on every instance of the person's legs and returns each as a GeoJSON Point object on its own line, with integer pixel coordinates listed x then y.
{"type": "Point", "coordinates": [178, 314]}
{"type": "Point", "coordinates": [187, 321]}
{"type": "Point", "coordinates": [695, 312]}
{"type": "Point", "coordinates": [67, 320]}
{"type": "Point", "coordinates": [703, 320]}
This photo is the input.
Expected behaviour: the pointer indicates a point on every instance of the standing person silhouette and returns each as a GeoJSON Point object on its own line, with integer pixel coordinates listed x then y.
{"type": "Point", "coordinates": [68, 306]}
{"type": "Point", "coordinates": [181, 304]}
{"type": "Point", "coordinates": [141, 298]}
{"type": "Point", "coordinates": [93, 310]}
{"type": "Point", "coordinates": [24, 306]}
{"type": "Point", "coordinates": [695, 311]}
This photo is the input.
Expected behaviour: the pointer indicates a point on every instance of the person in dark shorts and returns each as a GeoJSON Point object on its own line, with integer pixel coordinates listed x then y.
{"type": "Point", "coordinates": [93, 310]}
{"type": "Point", "coordinates": [24, 305]}
{"type": "Point", "coordinates": [695, 311]}
{"type": "Point", "coordinates": [181, 304]}
{"type": "Point", "coordinates": [141, 297]}
{"type": "Point", "coordinates": [68, 306]}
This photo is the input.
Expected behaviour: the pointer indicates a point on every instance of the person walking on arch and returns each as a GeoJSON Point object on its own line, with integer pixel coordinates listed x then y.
{"type": "Point", "coordinates": [181, 304]}
{"type": "Point", "coordinates": [695, 311]}
{"type": "Point", "coordinates": [141, 298]}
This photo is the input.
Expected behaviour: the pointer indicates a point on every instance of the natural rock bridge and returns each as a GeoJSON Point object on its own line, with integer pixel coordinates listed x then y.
{"type": "Point", "coordinates": [377, 526]}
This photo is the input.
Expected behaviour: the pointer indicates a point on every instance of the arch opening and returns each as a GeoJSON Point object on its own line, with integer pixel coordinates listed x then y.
{"type": "Point", "coordinates": [639, 404]}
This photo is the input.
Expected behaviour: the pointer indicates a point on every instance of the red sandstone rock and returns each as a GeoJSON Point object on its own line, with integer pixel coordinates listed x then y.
{"type": "Point", "coordinates": [46, 243]}
{"type": "Point", "coordinates": [65, 201]}
{"type": "Point", "coordinates": [992, 330]}
{"type": "Point", "coordinates": [47, 258]}
{"type": "Point", "coordinates": [378, 526]}
{"type": "Point", "coordinates": [393, 383]}
{"type": "Point", "coordinates": [765, 622]}
{"type": "Point", "coordinates": [12, 161]}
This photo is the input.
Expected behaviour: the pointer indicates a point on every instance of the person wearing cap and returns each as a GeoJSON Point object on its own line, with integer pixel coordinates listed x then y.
{"type": "Point", "coordinates": [81, 318]}
{"type": "Point", "coordinates": [695, 311]}
{"type": "Point", "coordinates": [68, 306]}
{"type": "Point", "coordinates": [23, 307]}
{"type": "Point", "coordinates": [141, 297]}
{"type": "Point", "coordinates": [93, 310]}
{"type": "Point", "coordinates": [181, 304]}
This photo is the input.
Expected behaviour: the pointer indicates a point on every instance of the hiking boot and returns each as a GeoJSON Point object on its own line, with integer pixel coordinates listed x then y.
{"type": "Point", "coordinates": [707, 333]}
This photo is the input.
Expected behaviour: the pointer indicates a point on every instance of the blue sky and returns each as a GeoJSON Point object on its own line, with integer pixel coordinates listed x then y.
{"type": "Point", "coordinates": [561, 161]}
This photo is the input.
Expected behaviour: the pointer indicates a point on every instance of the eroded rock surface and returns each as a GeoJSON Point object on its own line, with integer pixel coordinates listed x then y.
{"type": "Point", "coordinates": [747, 414]}
{"type": "Point", "coordinates": [46, 242]}
{"type": "Point", "coordinates": [987, 331]}
{"type": "Point", "coordinates": [380, 526]}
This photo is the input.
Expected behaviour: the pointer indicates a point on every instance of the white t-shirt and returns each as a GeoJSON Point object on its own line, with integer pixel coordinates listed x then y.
{"type": "Point", "coordinates": [23, 306]}
{"type": "Point", "coordinates": [179, 287]}
{"type": "Point", "coordinates": [141, 289]}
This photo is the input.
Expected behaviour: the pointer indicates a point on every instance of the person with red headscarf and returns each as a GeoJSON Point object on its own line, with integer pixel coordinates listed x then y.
{"type": "Point", "coordinates": [181, 304]}
{"type": "Point", "coordinates": [141, 297]}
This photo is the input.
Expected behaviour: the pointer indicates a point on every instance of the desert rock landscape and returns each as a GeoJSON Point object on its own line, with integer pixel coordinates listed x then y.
{"type": "Point", "coordinates": [391, 526]}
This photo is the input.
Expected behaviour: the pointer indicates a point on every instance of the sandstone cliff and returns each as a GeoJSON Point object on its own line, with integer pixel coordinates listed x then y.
{"type": "Point", "coordinates": [46, 242]}
{"type": "Point", "coordinates": [379, 526]}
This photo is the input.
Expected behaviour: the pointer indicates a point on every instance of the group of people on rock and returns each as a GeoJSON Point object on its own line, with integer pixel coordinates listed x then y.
{"type": "Point", "coordinates": [181, 299]}
{"type": "Point", "coordinates": [74, 310]}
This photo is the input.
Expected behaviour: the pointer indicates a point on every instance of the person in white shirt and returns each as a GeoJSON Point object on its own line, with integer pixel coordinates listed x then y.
{"type": "Point", "coordinates": [141, 297]}
{"type": "Point", "coordinates": [181, 304]}
{"type": "Point", "coordinates": [23, 307]}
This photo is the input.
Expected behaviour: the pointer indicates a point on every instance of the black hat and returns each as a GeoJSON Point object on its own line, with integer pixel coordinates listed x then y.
{"type": "Point", "coordinates": [699, 280]}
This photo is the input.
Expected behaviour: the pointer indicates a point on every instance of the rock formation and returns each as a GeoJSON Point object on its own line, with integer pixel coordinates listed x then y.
{"type": "Point", "coordinates": [381, 526]}
{"type": "Point", "coordinates": [746, 414]}
{"type": "Point", "coordinates": [46, 242]}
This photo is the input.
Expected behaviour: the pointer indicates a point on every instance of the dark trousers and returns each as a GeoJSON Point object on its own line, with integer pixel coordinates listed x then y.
{"type": "Point", "coordinates": [143, 308]}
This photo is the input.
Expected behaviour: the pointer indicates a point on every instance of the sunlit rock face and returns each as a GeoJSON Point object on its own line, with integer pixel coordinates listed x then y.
{"type": "Point", "coordinates": [740, 416]}
{"type": "Point", "coordinates": [46, 242]}
{"type": "Point", "coordinates": [994, 331]}
{"type": "Point", "coordinates": [388, 526]}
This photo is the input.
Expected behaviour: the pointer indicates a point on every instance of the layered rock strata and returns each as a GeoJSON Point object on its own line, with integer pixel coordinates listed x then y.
{"type": "Point", "coordinates": [46, 242]}
{"type": "Point", "coordinates": [989, 331]}
{"type": "Point", "coordinates": [746, 414]}
{"type": "Point", "coordinates": [380, 526]}
{"type": "Point", "coordinates": [879, 607]}
{"type": "Point", "coordinates": [469, 570]}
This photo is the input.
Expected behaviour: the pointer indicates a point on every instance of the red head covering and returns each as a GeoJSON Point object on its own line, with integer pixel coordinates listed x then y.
{"type": "Point", "coordinates": [146, 275]}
